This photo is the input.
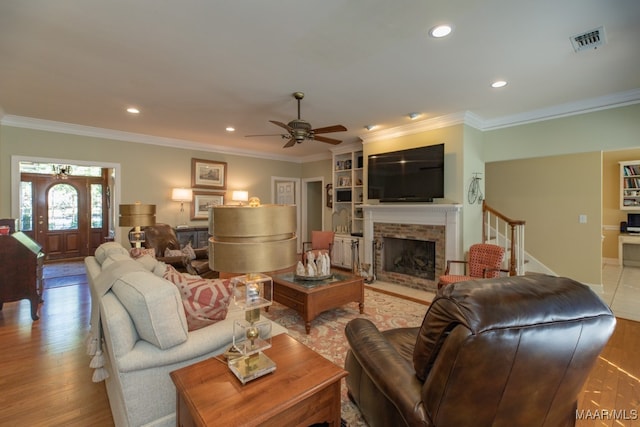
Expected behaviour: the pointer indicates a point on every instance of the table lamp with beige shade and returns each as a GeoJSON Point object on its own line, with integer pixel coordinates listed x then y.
{"type": "Point", "coordinates": [182, 195]}
{"type": "Point", "coordinates": [137, 216]}
{"type": "Point", "coordinates": [251, 240]}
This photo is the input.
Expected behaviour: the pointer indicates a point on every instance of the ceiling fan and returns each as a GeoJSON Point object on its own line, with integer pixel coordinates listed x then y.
{"type": "Point", "coordinates": [299, 129]}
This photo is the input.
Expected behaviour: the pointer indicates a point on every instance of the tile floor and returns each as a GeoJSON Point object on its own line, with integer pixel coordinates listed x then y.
{"type": "Point", "coordinates": [620, 290]}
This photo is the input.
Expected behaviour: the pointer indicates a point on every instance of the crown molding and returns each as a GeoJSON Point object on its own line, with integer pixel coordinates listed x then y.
{"type": "Point", "coordinates": [468, 118]}
{"type": "Point", "coordinates": [412, 128]}
{"type": "Point", "coordinates": [614, 100]}
{"type": "Point", "coordinates": [73, 129]}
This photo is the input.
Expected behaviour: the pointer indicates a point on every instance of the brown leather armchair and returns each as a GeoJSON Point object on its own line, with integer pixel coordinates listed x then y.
{"type": "Point", "coordinates": [510, 351]}
{"type": "Point", "coordinates": [161, 237]}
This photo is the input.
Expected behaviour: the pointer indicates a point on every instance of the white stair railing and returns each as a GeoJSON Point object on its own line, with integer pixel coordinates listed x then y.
{"type": "Point", "coordinates": [511, 238]}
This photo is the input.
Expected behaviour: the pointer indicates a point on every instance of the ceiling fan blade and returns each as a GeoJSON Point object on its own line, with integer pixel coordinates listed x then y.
{"type": "Point", "coordinates": [329, 129]}
{"type": "Point", "coordinates": [327, 140]}
{"type": "Point", "coordinates": [282, 125]}
{"type": "Point", "coordinates": [267, 134]}
{"type": "Point", "coordinates": [291, 143]}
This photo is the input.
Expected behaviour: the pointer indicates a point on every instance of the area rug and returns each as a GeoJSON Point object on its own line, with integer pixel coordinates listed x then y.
{"type": "Point", "coordinates": [56, 275]}
{"type": "Point", "coordinates": [327, 331]}
{"type": "Point", "coordinates": [62, 269]}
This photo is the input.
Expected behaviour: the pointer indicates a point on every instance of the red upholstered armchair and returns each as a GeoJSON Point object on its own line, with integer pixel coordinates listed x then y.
{"type": "Point", "coordinates": [484, 262]}
{"type": "Point", "coordinates": [321, 241]}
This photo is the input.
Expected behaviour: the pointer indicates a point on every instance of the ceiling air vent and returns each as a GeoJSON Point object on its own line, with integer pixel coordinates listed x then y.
{"type": "Point", "coordinates": [592, 39]}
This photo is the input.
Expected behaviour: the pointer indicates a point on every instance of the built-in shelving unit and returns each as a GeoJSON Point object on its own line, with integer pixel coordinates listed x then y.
{"type": "Point", "coordinates": [630, 185]}
{"type": "Point", "coordinates": [348, 196]}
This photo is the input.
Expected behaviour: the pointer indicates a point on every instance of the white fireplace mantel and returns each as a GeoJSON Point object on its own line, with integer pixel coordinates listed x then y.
{"type": "Point", "coordinates": [447, 215]}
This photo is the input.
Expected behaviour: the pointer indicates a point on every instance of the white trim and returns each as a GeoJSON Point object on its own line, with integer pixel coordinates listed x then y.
{"type": "Point", "coordinates": [614, 100]}
{"type": "Point", "coordinates": [304, 202]}
{"type": "Point", "coordinates": [116, 135]}
{"type": "Point", "coordinates": [15, 180]}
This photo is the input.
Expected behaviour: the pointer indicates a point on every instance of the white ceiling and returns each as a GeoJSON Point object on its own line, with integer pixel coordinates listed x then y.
{"type": "Point", "coordinates": [194, 67]}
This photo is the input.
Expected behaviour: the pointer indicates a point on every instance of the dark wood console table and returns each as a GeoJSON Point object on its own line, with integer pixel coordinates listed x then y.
{"type": "Point", "coordinates": [21, 262]}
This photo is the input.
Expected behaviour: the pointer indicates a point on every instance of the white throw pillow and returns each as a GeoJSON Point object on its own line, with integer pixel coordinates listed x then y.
{"type": "Point", "coordinates": [155, 306]}
{"type": "Point", "coordinates": [104, 250]}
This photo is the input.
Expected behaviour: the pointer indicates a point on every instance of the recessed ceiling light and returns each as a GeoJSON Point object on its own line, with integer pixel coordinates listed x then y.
{"type": "Point", "coordinates": [498, 84]}
{"type": "Point", "coordinates": [230, 129]}
{"type": "Point", "coordinates": [370, 127]}
{"type": "Point", "coordinates": [440, 31]}
{"type": "Point", "coordinates": [414, 116]}
{"type": "Point", "coordinates": [133, 110]}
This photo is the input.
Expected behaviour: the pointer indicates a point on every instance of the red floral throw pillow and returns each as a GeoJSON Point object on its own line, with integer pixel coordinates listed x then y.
{"type": "Point", "coordinates": [205, 301]}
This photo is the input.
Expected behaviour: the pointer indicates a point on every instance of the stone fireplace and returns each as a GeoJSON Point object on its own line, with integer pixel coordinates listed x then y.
{"type": "Point", "coordinates": [412, 242]}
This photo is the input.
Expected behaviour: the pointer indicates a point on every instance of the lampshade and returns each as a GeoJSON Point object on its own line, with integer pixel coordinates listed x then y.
{"type": "Point", "coordinates": [181, 194]}
{"type": "Point", "coordinates": [240, 196]}
{"type": "Point", "coordinates": [137, 215]}
{"type": "Point", "coordinates": [252, 239]}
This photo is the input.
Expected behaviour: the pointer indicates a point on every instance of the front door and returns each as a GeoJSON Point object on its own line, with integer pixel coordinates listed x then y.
{"type": "Point", "coordinates": [68, 217]}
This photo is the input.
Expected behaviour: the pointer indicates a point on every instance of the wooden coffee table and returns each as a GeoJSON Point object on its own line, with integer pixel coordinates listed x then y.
{"type": "Point", "coordinates": [303, 390]}
{"type": "Point", "coordinates": [310, 298]}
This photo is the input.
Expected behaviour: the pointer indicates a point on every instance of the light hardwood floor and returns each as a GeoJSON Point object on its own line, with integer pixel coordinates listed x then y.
{"type": "Point", "coordinates": [45, 378]}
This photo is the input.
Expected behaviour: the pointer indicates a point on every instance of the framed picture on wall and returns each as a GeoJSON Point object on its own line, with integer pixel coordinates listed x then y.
{"type": "Point", "coordinates": [201, 202]}
{"type": "Point", "coordinates": [208, 174]}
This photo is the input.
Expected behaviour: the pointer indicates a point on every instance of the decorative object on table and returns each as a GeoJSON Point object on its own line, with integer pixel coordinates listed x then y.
{"type": "Point", "coordinates": [137, 216]}
{"type": "Point", "coordinates": [316, 268]}
{"type": "Point", "coordinates": [202, 201]}
{"type": "Point", "coordinates": [251, 240]}
{"type": "Point", "coordinates": [208, 174]}
{"type": "Point", "coordinates": [321, 242]}
{"type": "Point", "coordinates": [182, 195]}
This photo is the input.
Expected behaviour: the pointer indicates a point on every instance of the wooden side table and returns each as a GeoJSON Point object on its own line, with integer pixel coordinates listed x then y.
{"type": "Point", "coordinates": [303, 390]}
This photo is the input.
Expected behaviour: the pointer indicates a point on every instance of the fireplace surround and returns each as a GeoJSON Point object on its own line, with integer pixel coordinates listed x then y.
{"type": "Point", "coordinates": [428, 222]}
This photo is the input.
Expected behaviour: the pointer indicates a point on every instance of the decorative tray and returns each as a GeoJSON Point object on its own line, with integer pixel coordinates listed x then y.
{"type": "Point", "coordinates": [327, 276]}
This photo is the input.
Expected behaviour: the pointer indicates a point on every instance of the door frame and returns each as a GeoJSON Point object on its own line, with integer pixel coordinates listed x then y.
{"type": "Point", "coordinates": [305, 194]}
{"type": "Point", "coordinates": [15, 183]}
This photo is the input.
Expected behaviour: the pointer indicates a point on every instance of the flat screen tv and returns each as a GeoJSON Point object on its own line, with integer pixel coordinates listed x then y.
{"type": "Point", "coordinates": [413, 175]}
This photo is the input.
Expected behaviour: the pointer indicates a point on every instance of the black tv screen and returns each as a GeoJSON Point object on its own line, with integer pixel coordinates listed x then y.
{"type": "Point", "coordinates": [413, 175]}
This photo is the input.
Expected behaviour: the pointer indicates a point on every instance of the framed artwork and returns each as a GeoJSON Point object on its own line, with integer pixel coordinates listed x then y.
{"type": "Point", "coordinates": [208, 174]}
{"type": "Point", "coordinates": [201, 202]}
{"type": "Point", "coordinates": [285, 193]}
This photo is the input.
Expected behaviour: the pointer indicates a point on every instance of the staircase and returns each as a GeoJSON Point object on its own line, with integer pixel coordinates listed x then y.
{"type": "Point", "coordinates": [501, 230]}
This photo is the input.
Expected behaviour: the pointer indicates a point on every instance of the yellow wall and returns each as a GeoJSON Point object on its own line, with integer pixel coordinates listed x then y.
{"type": "Point", "coordinates": [612, 215]}
{"type": "Point", "coordinates": [463, 156]}
{"type": "Point", "coordinates": [550, 194]}
{"type": "Point", "coordinates": [548, 141]}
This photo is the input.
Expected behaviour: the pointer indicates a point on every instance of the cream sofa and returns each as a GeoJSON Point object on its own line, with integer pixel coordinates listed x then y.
{"type": "Point", "coordinates": [139, 319]}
